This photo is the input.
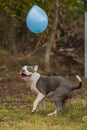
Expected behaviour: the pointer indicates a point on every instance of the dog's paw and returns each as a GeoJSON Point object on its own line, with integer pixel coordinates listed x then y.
{"type": "Point", "coordinates": [50, 114]}
{"type": "Point", "coordinates": [53, 113]}
{"type": "Point", "coordinates": [33, 111]}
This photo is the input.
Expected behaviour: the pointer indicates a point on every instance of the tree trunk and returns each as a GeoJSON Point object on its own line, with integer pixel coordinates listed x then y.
{"type": "Point", "coordinates": [51, 39]}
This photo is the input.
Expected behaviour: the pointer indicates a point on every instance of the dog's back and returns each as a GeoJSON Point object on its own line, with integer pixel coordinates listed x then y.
{"type": "Point", "coordinates": [47, 84]}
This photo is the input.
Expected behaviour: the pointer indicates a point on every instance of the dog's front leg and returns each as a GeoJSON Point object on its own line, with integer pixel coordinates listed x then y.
{"type": "Point", "coordinates": [40, 96]}
{"type": "Point", "coordinates": [42, 105]}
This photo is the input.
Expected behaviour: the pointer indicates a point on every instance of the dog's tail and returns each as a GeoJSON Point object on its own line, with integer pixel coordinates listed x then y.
{"type": "Point", "coordinates": [78, 86]}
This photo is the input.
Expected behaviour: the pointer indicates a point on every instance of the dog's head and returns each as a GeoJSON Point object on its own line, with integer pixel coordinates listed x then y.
{"type": "Point", "coordinates": [27, 72]}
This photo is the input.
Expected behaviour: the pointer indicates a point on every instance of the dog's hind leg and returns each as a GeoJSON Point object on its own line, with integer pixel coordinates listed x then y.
{"type": "Point", "coordinates": [60, 95]}
{"type": "Point", "coordinates": [59, 108]}
{"type": "Point", "coordinates": [59, 105]}
{"type": "Point", "coordinates": [58, 100]}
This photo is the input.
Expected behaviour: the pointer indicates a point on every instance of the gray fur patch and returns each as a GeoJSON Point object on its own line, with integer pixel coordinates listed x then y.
{"type": "Point", "coordinates": [30, 69]}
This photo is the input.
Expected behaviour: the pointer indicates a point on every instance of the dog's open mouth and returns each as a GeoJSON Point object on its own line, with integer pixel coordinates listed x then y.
{"type": "Point", "coordinates": [24, 76]}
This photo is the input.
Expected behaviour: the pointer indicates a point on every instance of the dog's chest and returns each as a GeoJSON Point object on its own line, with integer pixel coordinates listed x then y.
{"type": "Point", "coordinates": [33, 84]}
{"type": "Point", "coordinates": [33, 88]}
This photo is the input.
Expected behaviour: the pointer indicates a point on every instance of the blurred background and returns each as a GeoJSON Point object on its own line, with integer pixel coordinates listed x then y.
{"type": "Point", "coordinates": [85, 44]}
{"type": "Point", "coordinates": [59, 50]}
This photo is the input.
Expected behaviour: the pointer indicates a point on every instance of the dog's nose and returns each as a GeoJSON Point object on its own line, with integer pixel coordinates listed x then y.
{"type": "Point", "coordinates": [23, 71]}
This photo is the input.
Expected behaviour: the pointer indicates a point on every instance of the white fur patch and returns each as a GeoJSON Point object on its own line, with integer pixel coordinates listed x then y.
{"type": "Point", "coordinates": [34, 80]}
{"type": "Point", "coordinates": [38, 99]}
{"type": "Point", "coordinates": [77, 76]}
{"type": "Point", "coordinates": [53, 113]}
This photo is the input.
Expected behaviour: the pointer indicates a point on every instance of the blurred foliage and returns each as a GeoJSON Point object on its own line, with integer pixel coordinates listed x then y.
{"type": "Point", "coordinates": [2, 53]}
{"type": "Point", "coordinates": [18, 9]}
{"type": "Point", "coordinates": [77, 8]}
{"type": "Point", "coordinates": [13, 15]}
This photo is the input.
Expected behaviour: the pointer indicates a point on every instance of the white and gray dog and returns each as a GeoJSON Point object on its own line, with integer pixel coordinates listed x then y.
{"type": "Point", "coordinates": [43, 86]}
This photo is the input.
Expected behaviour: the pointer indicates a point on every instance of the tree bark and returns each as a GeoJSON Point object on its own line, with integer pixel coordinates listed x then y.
{"type": "Point", "coordinates": [51, 39]}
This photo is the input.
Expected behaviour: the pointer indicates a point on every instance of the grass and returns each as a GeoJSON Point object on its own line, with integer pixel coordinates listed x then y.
{"type": "Point", "coordinates": [19, 117]}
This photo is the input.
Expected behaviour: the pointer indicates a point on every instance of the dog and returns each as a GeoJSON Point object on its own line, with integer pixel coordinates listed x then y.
{"type": "Point", "coordinates": [44, 86]}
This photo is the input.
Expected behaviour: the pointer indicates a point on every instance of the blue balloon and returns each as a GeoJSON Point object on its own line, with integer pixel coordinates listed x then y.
{"type": "Point", "coordinates": [36, 20]}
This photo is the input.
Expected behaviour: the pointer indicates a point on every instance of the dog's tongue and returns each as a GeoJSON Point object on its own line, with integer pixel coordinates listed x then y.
{"type": "Point", "coordinates": [24, 76]}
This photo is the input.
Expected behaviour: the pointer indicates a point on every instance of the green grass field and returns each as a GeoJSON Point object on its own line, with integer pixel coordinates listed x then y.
{"type": "Point", "coordinates": [19, 117]}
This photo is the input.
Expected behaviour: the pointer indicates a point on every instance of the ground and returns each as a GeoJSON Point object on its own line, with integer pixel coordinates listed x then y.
{"type": "Point", "coordinates": [16, 102]}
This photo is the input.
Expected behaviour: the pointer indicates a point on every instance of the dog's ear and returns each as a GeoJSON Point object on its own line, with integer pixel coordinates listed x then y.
{"type": "Point", "coordinates": [35, 68]}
